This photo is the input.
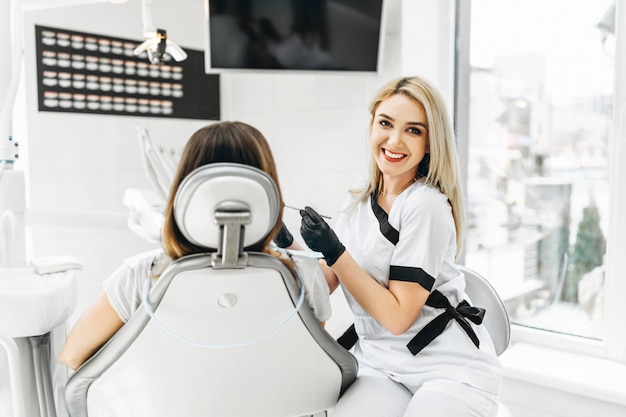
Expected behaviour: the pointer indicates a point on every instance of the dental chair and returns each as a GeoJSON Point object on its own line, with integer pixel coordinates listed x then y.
{"type": "Point", "coordinates": [496, 319]}
{"type": "Point", "coordinates": [223, 333]}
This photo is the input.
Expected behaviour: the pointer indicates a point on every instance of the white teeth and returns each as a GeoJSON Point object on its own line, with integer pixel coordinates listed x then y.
{"type": "Point", "coordinates": [393, 155]}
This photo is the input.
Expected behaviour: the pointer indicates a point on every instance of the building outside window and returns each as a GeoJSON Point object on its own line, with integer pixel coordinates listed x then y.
{"type": "Point", "coordinates": [540, 119]}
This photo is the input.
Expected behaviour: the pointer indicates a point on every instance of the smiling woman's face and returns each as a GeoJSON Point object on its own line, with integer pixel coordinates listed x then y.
{"type": "Point", "coordinates": [399, 137]}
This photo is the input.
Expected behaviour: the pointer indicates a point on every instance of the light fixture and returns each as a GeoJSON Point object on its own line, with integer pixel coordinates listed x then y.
{"type": "Point", "coordinates": [158, 47]}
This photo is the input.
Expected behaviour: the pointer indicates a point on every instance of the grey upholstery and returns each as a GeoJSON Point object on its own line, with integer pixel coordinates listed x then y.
{"type": "Point", "coordinates": [229, 356]}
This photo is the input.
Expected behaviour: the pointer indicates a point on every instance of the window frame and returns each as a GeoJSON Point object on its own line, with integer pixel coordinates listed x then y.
{"type": "Point", "coordinates": [613, 344]}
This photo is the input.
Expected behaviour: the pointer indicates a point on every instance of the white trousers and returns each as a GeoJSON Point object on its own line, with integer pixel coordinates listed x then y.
{"type": "Point", "coordinates": [371, 396]}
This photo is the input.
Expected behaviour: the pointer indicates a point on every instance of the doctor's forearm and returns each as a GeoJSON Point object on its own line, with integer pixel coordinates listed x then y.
{"type": "Point", "coordinates": [396, 311]}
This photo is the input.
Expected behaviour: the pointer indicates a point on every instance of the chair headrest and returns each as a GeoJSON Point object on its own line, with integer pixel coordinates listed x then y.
{"type": "Point", "coordinates": [225, 186]}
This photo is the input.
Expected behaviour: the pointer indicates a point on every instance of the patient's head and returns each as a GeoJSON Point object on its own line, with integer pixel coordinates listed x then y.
{"type": "Point", "coordinates": [234, 142]}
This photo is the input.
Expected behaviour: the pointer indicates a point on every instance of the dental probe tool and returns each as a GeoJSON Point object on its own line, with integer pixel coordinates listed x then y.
{"type": "Point", "coordinates": [298, 210]}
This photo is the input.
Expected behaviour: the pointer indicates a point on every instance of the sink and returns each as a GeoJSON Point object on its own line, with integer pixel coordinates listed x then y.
{"type": "Point", "coordinates": [32, 304]}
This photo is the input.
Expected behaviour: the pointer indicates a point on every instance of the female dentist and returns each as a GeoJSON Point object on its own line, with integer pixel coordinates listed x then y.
{"type": "Point", "coordinates": [420, 352]}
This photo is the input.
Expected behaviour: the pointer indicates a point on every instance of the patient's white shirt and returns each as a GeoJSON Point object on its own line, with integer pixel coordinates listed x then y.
{"type": "Point", "coordinates": [124, 286]}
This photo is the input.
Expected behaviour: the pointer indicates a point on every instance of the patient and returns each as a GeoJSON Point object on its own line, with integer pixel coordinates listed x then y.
{"type": "Point", "coordinates": [234, 142]}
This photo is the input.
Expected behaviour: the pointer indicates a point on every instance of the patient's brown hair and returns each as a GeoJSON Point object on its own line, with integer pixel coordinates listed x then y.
{"type": "Point", "coordinates": [234, 142]}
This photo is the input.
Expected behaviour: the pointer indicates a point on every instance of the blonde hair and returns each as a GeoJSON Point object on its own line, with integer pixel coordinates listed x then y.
{"type": "Point", "coordinates": [439, 168]}
{"type": "Point", "coordinates": [235, 142]}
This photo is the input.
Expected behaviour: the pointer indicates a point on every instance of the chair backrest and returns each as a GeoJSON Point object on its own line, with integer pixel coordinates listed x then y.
{"type": "Point", "coordinates": [222, 334]}
{"type": "Point", "coordinates": [496, 320]}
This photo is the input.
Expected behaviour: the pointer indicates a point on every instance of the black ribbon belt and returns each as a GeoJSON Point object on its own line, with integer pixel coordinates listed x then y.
{"type": "Point", "coordinates": [462, 313]}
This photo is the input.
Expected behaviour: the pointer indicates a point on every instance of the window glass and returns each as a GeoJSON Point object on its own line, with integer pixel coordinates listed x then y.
{"type": "Point", "coordinates": [540, 112]}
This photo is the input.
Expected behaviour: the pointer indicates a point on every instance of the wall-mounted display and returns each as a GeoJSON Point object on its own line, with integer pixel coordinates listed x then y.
{"type": "Point", "coordinates": [89, 73]}
{"type": "Point", "coordinates": [342, 36]}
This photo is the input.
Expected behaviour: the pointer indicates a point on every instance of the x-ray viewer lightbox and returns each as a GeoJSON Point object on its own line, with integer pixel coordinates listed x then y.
{"type": "Point", "coordinates": [89, 73]}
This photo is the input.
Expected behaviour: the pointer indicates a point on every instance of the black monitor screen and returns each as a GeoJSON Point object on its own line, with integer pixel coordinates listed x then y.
{"type": "Point", "coordinates": [333, 35]}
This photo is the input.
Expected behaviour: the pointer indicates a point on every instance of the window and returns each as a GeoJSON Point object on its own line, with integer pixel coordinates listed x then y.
{"type": "Point", "coordinates": [540, 203]}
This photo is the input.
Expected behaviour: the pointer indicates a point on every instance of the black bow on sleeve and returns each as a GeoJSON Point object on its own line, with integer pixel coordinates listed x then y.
{"type": "Point", "coordinates": [463, 312]}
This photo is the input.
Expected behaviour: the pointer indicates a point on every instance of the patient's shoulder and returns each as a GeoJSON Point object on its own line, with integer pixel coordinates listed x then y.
{"type": "Point", "coordinates": [151, 262]}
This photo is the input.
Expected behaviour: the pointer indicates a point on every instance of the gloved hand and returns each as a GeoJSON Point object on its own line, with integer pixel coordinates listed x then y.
{"type": "Point", "coordinates": [318, 236]}
{"type": "Point", "coordinates": [283, 238]}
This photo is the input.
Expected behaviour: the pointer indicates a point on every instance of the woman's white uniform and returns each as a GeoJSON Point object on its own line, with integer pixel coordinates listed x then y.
{"type": "Point", "coordinates": [415, 242]}
{"type": "Point", "coordinates": [124, 287]}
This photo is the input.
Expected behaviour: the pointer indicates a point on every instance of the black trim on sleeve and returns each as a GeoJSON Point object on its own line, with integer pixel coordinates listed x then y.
{"type": "Point", "coordinates": [411, 274]}
{"type": "Point", "coordinates": [386, 229]}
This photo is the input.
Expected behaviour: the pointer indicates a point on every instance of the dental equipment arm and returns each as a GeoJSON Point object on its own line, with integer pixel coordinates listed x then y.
{"type": "Point", "coordinates": [159, 171]}
{"type": "Point", "coordinates": [16, 67]}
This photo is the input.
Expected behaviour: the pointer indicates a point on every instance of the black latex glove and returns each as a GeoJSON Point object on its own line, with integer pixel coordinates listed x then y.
{"type": "Point", "coordinates": [283, 238]}
{"type": "Point", "coordinates": [318, 236]}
